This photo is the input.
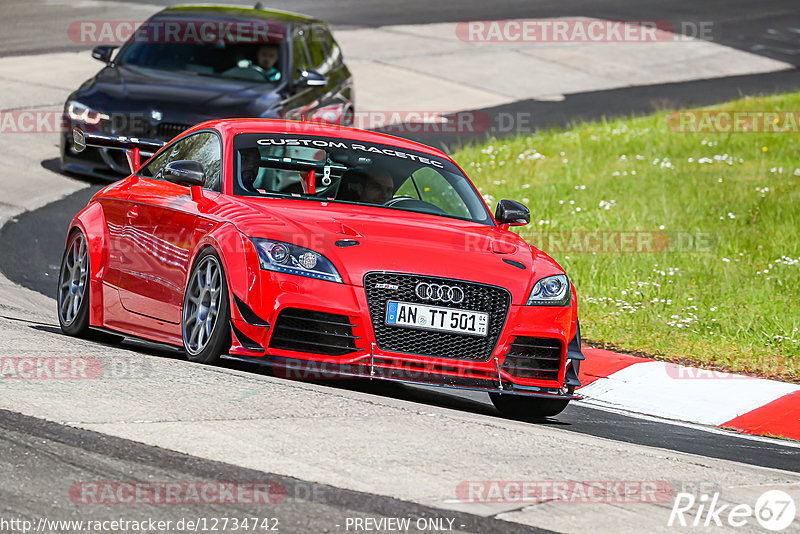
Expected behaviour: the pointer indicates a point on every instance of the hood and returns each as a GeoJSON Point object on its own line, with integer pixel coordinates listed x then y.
{"type": "Point", "coordinates": [123, 88]}
{"type": "Point", "coordinates": [398, 241]}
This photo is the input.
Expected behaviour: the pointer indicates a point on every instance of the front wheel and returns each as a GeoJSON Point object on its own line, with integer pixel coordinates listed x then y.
{"type": "Point", "coordinates": [205, 321]}
{"type": "Point", "coordinates": [522, 407]}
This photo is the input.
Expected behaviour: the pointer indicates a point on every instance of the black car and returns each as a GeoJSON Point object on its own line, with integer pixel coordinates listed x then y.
{"type": "Point", "coordinates": [186, 65]}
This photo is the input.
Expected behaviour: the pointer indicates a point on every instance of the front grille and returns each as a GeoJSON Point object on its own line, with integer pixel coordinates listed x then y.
{"type": "Point", "coordinates": [477, 297]}
{"type": "Point", "coordinates": [533, 357]}
{"type": "Point", "coordinates": [312, 331]}
{"type": "Point", "coordinates": [168, 130]}
{"type": "Point", "coordinates": [164, 131]}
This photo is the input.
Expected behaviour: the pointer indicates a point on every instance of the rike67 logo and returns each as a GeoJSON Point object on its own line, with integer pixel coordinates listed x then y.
{"type": "Point", "coordinates": [774, 510]}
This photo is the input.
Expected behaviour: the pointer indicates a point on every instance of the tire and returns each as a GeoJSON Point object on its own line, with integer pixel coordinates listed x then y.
{"type": "Point", "coordinates": [521, 407]}
{"type": "Point", "coordinates": [72, 298]}
{"type": "Point", "coordinates": [206, 316]}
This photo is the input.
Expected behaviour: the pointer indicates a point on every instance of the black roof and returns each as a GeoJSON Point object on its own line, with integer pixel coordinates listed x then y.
{"type": "Point", "coordinates": [217, 13]}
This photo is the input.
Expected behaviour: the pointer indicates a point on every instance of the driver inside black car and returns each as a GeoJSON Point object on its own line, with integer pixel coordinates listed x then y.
{"type": "Point", "coordinates": [267, 59]}
{"type": "Point", "coordinates": [265, 65]}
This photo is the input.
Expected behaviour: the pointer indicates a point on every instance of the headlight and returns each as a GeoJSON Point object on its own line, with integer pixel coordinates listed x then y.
{"type": "Point", "coordinates": [551, 291]}
{"type": "Point", "coordinates": [287, 258]}
{"type": "Point", "coordinates": [81, 113]}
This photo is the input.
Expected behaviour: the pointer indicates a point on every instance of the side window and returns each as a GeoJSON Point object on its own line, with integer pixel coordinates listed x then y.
{"type": "Point", "coordinates": [154, 167]}
{"type": "Point", "coordinates": [333, 54]}
{"type": "Point", "coordinates": [317, 51]}
{"type": "Point", "coordinates": [205, 148]}
{"type": "Point", "coordinates": [299, 54]}
{"type": "Point", "coordinates": [430, 186]}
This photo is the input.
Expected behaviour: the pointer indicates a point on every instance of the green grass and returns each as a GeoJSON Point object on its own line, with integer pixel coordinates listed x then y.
{"type": "Point", "coordinates": [724, 290]}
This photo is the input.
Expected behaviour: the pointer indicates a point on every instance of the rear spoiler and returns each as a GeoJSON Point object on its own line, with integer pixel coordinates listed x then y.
{"type": "Point", "coordinates": [131, 145]}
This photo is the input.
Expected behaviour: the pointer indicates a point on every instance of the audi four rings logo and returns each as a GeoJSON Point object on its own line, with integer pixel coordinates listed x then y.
{"type": "Point", "coordinates": [441, 293]}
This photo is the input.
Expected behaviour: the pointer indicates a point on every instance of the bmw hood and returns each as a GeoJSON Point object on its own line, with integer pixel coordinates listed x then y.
{"type": "Point", "coordinates": [134, 88]}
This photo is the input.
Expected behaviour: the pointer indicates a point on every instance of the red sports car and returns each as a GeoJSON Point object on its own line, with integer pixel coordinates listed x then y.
{"type": "Point", "coordinates": [314, 247]}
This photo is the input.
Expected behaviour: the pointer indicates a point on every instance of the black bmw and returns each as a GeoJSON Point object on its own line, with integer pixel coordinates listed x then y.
{"type": "Point", "coordinates": [189, 64]}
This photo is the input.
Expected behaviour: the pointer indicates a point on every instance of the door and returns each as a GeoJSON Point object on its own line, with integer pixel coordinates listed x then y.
{"type": "Point", "coordinates": [164, 231]}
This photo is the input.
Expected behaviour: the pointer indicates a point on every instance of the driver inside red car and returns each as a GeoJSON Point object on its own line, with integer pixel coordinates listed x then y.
{"type": "Point", "coordinates": [376, 187]}
{"type": "Point", "coordinates": [250, 159]}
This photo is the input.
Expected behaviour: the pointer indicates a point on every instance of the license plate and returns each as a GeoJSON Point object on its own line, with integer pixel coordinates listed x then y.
{"type": "Point", "coordinates": [425, 317]}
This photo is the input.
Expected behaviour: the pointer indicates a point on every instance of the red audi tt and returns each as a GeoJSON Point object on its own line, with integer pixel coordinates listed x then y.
{"type": "Point", "coordinates": [315, 247]}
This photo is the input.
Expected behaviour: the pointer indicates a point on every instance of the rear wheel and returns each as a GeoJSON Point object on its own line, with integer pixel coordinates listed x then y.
{"type": "Point", "coordinates": [522, 407]}
{"type": "Point", "coordinates": [73, 287]}
{"type": "Point", "coordinates": [205, 322]}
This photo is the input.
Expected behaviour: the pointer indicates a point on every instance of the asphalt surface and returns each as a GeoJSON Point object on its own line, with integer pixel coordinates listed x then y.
{"type": "Point", "coordinates": [47, 467]}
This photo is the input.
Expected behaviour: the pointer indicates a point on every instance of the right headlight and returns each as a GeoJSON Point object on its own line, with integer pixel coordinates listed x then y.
{"type": "Point", "coordinates": [551, 291]}
{"type": "Point", "coordinates": [294, 259]}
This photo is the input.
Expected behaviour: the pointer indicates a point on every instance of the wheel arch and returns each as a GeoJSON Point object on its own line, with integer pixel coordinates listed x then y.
{"type": "Point", "coordinates": [239, 262]}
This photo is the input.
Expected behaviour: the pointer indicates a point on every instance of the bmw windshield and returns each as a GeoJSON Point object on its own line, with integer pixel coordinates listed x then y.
{"type": "Point", "coordinates": [343, 170]}
{"type": "Point", "coordinates": [251, 51]}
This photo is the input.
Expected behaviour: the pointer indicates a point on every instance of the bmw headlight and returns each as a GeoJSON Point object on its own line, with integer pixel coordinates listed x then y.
{"type": "Point", "coordinates": [551, 291]}
{"type": "Point", "coordinates": [287, 258]}
{"type": "Point", "coordinates": [84, 114]}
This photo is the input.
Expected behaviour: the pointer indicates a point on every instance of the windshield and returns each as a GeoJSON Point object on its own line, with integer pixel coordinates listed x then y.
{"type": "Point", "coordinates": [310, 167]}
{"type": "Point", "coordinates": [206, 49]}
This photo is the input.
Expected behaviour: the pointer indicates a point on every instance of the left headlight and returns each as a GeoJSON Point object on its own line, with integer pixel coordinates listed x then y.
{"type": "Point", "coordinates": [287, 258]}
{"type": "Point", "coordinates": [551, 291]}
{"type": "Point", "coordinates": [81, 113]}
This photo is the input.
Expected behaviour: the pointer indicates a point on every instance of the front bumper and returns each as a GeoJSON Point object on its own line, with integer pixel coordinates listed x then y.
{"type": "Point", "coordinates": [254, 319]}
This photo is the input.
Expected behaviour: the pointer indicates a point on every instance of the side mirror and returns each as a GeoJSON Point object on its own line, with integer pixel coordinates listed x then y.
{"type": "Point", "coordinates": [310, 78]}
{"type": "Point", "coordinates": [103, 53]}
{"type": "Point", "coordinates": [512, 212]}
{"type": "Point", "coordinates": [185, 172]}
